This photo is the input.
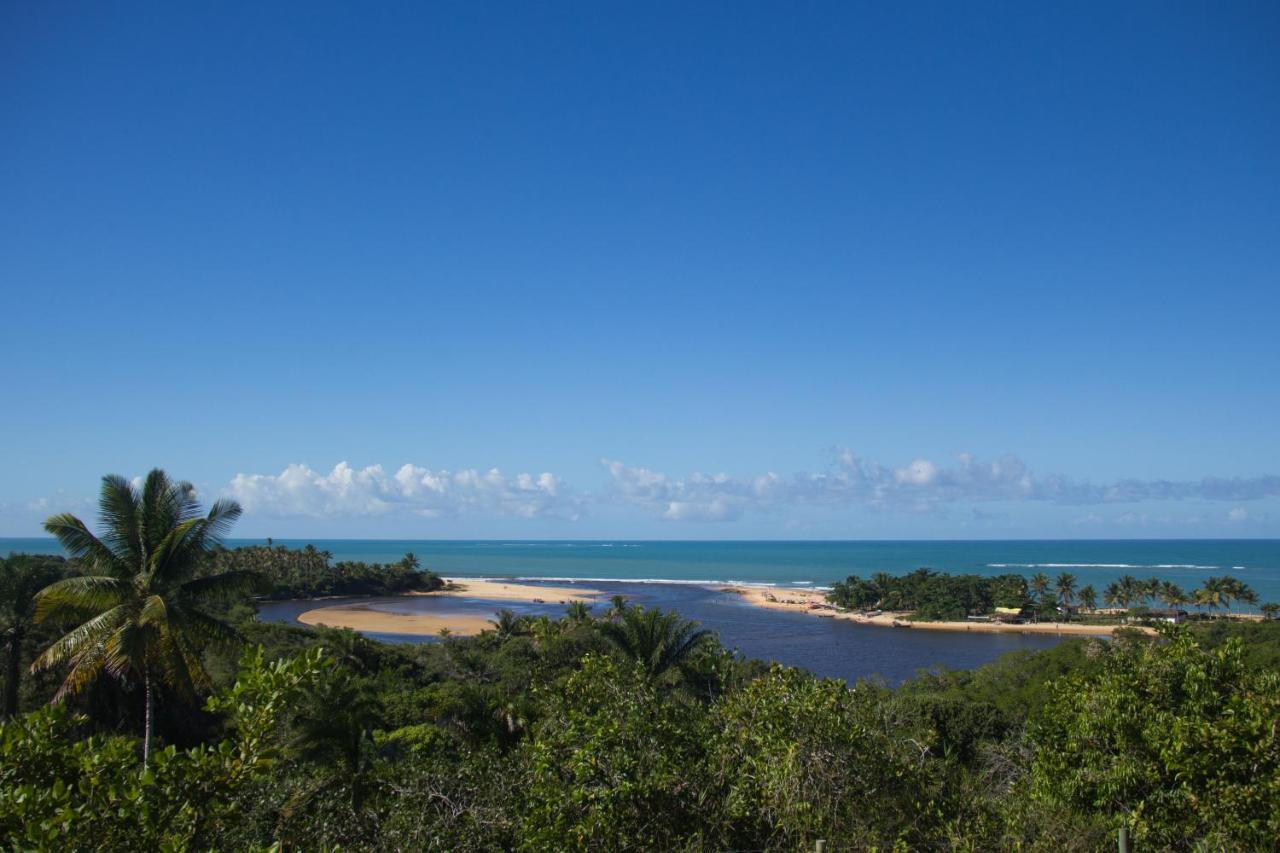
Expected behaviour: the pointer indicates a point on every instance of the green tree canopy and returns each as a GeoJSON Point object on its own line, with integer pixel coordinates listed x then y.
{"type": "Point", "coordinates": [138, 609]}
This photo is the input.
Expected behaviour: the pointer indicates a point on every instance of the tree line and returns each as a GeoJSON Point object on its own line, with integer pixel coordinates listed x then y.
{"type": "Point", "coordinates": [942, 596]}
{"type": "Point", "coordinates": [311, 573]}
{"type": "Point", "coordinates": [619, 728]}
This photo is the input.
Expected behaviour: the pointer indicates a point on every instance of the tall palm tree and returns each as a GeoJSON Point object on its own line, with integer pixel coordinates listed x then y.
{"type": "Point", "coordinates": [1150, 589]}
{"type": "Point", "coordinates": [1066, 588]}
{"type": "Point", "coordinates": [883, 582]}
{"type": "Point", "coordinates": [1202, 598]}
{"type": "Point", "coordinates": [1234, 588]}
{"type": "Point", "coordinates": [1111, 594]}
{"type": "Point", "coordinates": [1129, 590]}
{"type": "Point", "coordinates": [21, 578]}
{"type": "Point", "coordinates": [1089, 598]}
{"type": "Point", "coordinates": [138, 606]}
{"type": "Point", "coordinates": [1171, 594]}
{"type": "Point", "coordinates": [1040, 587]}
{"type": "Point", "coordinates": [659, 640]}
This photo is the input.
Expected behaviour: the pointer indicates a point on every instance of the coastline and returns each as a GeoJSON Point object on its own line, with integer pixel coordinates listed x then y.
{"type": "Point", "coordinates": [802, 600]}
{"type": "Point", "coordinates": [503, 590]}
{"type": "Point", "coordinates": [363, 617]}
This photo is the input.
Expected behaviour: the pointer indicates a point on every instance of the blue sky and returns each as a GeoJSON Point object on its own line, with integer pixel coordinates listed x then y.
{"type": "Point", "coordinates": [738, 270]}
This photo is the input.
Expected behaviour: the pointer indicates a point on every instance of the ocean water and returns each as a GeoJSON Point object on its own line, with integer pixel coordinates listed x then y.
{"type": "Point", "coordinates": [686, 576]}
{"type": "Point", "coordinates": [1185, 562]}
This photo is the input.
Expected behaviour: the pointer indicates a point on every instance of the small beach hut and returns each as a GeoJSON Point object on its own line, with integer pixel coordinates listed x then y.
{"type": "Point", "coordinates": [1009, 615]}
{"type": "Point", "coordinates": [1173, 617]}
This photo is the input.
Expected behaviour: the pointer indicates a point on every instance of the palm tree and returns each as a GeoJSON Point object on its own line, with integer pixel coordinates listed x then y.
{"type": "Point", "coordinates": [1040, 587]}
{"type": "Point", "coordinates": [1270, 609]}
{"type": "Point", "coordinates": [138, 607]}
{"type": "Point", "coordinates": [21, 578]}
{"type": "Point", "coordinates": [1171, 594]}
{"type": "Point", "coordinates": [617, 604]}
{"type": "Point", "coordinates": [508, 625]}
{"type": "Point", "coordinates": [1204, 597]}
{"type": "Point", "coordinates": [1234, 588]}
{"type": "Point", "coordinates": [1151, 588]}
{"type": "Point", "coordinates": [544, 630]}
{"type": "Point", "coordinates": [883, 582]}
{"type": "Point", "coordinates": [512, 713]}
{"type": "Point", "coordinates": [659, 640]}
{"type": "Point", "coordinates": [1111, 595]}
{"type": "Point", "coordinates": [578, 612]}
{"type": "Point", "coordinates": [335, 727]}
{"type": "Point", "coordinates": [1129, 590]}
{"type": "Point", "coordinates": [1089, 598]}
{"type": "Point", "coordinates": [1066, 587]}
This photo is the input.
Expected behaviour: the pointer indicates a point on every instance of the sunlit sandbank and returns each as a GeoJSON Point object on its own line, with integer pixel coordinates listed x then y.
{"type": "Point", "coordinates": [367, 617]}
{"type": "Point", "coordinates": [804, 601]}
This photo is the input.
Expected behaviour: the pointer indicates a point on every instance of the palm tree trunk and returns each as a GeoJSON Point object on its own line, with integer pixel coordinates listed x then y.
{"type": "Point", "coordinates": [13, 672]}
{"type": "Point", "coordinates": [149, 724]}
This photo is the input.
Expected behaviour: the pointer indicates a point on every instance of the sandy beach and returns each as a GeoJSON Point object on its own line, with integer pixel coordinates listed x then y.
{"type": "Point", "coordinates": [801, 601]}
{"type": "Point", "coordinates": [361, 617]}
{"type": "Point", "coordinates": [364, 617]}
{"type": "Point", "coordinates": [492, 590]}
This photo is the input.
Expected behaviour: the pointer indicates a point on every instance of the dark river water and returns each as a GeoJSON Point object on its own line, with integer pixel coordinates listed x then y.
{"type": "Point", "coordinates": [827, 647]}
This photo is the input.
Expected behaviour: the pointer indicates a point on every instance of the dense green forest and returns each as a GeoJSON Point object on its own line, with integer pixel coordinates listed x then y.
{"type": "Point", "coordinates": [182, 723]}
{"type": "Point", "coordinates": [310, 573]}
{"type": "Point", "coordinates": [941, 596]}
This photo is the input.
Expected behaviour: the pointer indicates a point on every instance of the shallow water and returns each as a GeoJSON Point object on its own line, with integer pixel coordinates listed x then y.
{"type": "Point", "coordinates": [828, 647]}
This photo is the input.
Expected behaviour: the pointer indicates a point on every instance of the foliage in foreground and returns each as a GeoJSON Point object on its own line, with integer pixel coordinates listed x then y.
{"type": "Point", "coordinates": [549, 736]}
{"type": "Point", "coordinates": [1176, 741]}
{"type": "Point", "coordinates": [61, 792]}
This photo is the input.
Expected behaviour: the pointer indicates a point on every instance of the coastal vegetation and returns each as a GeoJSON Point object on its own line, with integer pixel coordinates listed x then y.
{"type": "Point", "coordinates": [311, 573]}
{"type": "Point", "coordinates": [930, 595]}
{"type": "Point", "coordinates": [632, 729]}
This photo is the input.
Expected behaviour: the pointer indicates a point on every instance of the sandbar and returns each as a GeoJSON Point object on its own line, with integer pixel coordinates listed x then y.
{"type": "Point", "coordinates": [498, 590]}
{"type": "Point", "coordinates": [366, 617]}
{"type": "Point", "coordinates": [362, 618]}
{"type": "Point", "coordinates": [801, 601]}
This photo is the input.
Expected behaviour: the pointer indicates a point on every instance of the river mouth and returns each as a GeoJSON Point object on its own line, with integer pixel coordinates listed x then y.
{"type": "Point", "coordinates": [832, 648]}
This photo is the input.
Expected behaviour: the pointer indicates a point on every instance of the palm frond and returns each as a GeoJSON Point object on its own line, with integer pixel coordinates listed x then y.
{"type": "Point", "coordinates": [165, 505]}
{"type": "Point", "coordinates": [84, 671]}
{"type": "Point", "coordinates": [178, 552]}
{"type": "Point", "coordinates": [125, 650]}
{"type": "Point", "coordinates": [92, 633]}
{"type": "Point", "coordinates": [178, 665]}
{"type": "Point", "coordinates": [155, 612]}
{"type": "Point", "coordinates": [222, 516]}
{"type": "Point", "coordinates": [196, 625]}
{"type": "Point", "coordinates": [75, 537]}
{"type": "Point", "coordinates": [221, 587]}
{"type": "Point", "coordinates": [118, 515]}
{"type": "Point", "coordinates": [79, 596]}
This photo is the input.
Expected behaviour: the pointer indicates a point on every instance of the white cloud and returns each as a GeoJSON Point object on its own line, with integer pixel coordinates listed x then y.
{"type": "Point", "coordinates": [299, 490]}
{"type": "Point", "coordinates": [1238, 513]}
{"type": "Point", "coordinates": [921, 486]}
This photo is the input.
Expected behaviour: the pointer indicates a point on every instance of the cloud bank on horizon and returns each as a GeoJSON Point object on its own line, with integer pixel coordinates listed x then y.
{"type": "Point", "coordinates": [347, 491]}
{"type": "Point", "coordinates": [849, 481]}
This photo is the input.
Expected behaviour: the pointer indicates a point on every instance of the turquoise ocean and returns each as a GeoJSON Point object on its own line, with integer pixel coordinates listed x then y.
{"type": "Point", "coordinates": [1186, 562]}
{"type": "Point", "coordinates": [686, 576]}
